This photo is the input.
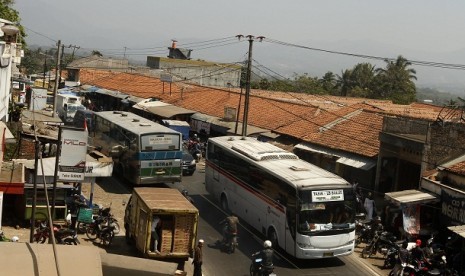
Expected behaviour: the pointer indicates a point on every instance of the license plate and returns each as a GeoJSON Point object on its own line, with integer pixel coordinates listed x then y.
{"type": "Point", "coordinates": [328, 254]}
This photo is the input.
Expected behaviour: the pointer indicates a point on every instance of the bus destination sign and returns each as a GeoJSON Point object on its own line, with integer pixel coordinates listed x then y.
{"type": "Point", "coordinates": [327, 195]}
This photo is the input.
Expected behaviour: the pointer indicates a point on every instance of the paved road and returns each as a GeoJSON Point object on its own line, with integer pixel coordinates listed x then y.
{"type": "Point", "coordinates": [111, 192]}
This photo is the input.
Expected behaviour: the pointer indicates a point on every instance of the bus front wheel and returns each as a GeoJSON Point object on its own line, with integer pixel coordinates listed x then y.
{"type": "Point", "coordinates": [224, 203]}
{"type": "Point", "coordinates": [273, 238]}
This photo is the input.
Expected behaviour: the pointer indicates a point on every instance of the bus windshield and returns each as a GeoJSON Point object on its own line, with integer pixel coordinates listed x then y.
{"type": "Point", "coordinates": [326, 210]}
{"type": "Point", "coordinates": [151, 142]}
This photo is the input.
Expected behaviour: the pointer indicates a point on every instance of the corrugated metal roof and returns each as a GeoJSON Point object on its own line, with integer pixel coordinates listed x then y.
{"type": "Point", "coordinates": [410, 197]}
{"type": "Point", "coordinates": [459, 230]}
{"type": "Point", "coordinates": [168, 111]}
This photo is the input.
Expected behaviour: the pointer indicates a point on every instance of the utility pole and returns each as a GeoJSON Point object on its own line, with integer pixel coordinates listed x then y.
{"type": "Point", "coordinates": [74, 49]}
{"type": "Point", "coordinates": [245, 119]}
{"type": "Point", "coordinates": [57, 71]}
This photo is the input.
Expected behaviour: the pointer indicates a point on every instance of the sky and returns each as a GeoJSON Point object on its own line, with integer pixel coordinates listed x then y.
{"type": "Point", "coordinates": [422, 30]}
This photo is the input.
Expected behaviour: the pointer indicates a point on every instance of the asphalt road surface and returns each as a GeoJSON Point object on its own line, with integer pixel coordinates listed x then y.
{"type": "Point", "coordinates": [216, 262]}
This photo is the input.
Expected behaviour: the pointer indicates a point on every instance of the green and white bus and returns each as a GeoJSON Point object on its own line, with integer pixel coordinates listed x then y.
{"type": "Point", "coordinates": [143, 151]}
{"type": "Point", "coordinates": [299, 207]}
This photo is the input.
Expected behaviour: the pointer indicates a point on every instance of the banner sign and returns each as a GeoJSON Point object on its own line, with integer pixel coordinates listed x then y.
{"type": "Point", "coordinates": [453, 208]}
{"type": "Point", "coordinates": [411, 218]}
{"type": "Point", "coordinates": [72, 160]}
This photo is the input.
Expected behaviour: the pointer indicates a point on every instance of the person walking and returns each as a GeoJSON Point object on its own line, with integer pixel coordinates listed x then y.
{"type": "Point", "coordinates": [197, 262]}
{"type": "Point", "coordinates": [369, 205]}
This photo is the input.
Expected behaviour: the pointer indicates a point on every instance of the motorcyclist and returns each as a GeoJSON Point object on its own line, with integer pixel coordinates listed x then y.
{"type": "Point", "coordinates": [418, 254]}
{"type": "Point", "coordinates": [229, 227]}
{"type": "Point", "coordinates": [266, 254]}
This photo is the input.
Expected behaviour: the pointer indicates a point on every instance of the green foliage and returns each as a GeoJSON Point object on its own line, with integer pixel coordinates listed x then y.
{"type": "Point", "coordinates": [394, 82]}
{"type": "Point", "coordinates": [10, 14]}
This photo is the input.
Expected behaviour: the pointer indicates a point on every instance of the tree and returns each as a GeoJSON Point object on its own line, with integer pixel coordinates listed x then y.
{"type": "Point", "coordinates": [97, 53]}
{"type": "Point", "coordinates": [362, 80]}
{"type": "Point", "coordinates": [344, 82]}
{"type": "Point", "coordinates": [395, 82]}
{"type": "Point", "coordinates": [328, 82]}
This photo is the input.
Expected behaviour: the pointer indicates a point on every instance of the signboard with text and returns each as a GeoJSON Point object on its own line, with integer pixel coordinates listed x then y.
{"type": "Point", "coordinates": [72, 159]}
{"type": "Point", "coordinates": [327, 195]}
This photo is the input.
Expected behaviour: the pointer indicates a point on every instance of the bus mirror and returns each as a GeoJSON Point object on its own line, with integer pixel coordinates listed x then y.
{"type": "Point", "coordinates": [117, 150]}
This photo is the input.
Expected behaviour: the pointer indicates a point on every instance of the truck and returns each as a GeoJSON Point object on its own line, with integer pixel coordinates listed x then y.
{"type": "Point", "coordinates": [178, 229]}
{"type": "Point", "coordinates": [67, 105]}
{"type": "Point", "coordinates": [179, 126]}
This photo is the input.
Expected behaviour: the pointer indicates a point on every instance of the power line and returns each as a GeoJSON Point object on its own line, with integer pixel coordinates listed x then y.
{"type": "Point", "coordinates": [416, 62]}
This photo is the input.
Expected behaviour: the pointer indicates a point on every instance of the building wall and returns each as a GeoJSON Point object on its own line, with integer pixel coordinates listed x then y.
{"type": "Point", "coordinates": [199, 72]}
{"type": "Point", "coordinates": [444, 143]}
{"type": "Point", "coordinates": [405, 126]}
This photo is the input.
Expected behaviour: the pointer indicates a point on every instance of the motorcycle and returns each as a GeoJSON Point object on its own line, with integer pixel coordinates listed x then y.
{"type": "Point", "coordinates": [258, 269]}
{"type": "Point", "coordinates": [102, 230]}
{"type": "Point", "coordinates": [62, 235]}
{"type": "Point", "coordinates": [363, 232]}
{"type": "Point", "coordinates": [229, 242]}
{"type": "Point", "coordinates": [391, 256]}
{"type": "Point", "coordinates": [380, 243]}
{"type": "Point", "coordinates": [103, 214]}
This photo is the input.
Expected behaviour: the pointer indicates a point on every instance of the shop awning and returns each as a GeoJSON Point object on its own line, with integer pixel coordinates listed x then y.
{"type": "Point", "coordinates": [9, 137]}
{"type": "Point", "coordinates": [410, 197]}
{"type": "Point", "coordinates": [347, 159]}
{"type": "Point", "coordinates": [357, 162]}
{"type": "Point", "coordinates": [168, 111]}
{"type": "Point", "coordinates": [316, 149]}
{"type": "Point", "coordinates": [459, 230]}
{"type": "Point", "coordinates": [12, 178]}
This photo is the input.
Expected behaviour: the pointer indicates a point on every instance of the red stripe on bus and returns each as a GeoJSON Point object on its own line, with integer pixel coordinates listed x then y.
{"type": "Point", "coordinates": [245, 186]}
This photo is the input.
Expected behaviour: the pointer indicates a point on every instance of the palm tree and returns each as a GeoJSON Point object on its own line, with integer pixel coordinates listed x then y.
{"type": "Point", "coordinates": [344, 82]}
{"type": "Point", "coordinates": [96, 53]}
{"type": "Point", "coordinates": [328, 81]}
{"type": "Point", "coordinates": [397, 81]}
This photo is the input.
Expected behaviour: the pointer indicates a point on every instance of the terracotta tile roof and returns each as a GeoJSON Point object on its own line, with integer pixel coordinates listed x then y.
{"type": "Point", "coordinates": [458, 168]}
{"type": "Point", "coordinates": [349, 124]}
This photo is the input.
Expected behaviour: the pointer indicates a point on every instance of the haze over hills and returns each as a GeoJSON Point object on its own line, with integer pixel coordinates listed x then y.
{"type": "Point", "coordinates": [287, 61]}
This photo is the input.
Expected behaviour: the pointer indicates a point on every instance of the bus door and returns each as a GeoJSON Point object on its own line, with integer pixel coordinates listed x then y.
{"type": "Point", "coordinates": [290, 226]}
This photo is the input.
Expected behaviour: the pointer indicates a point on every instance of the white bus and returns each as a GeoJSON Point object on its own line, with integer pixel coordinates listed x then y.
{"type": "Point", "coordinates": [299, 207]}
{"type": "Point", "coordinates": [143, 151]}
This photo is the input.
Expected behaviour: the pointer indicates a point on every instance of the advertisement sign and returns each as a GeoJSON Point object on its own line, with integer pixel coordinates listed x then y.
{"type": "Point", "coordinates": [411, 218]}
{"type": "Point", "coordinates": [452, 208]}
{"type": "Point", "coordinates": [72, 162]}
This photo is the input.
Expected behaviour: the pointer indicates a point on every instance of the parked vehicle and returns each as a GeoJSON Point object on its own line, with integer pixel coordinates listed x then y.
{"type": "Point", "coordinates": [103, 215]}
{"type": "Point", "coordinates": [67, 106]}
{"type": "Point", "coordinates": [101, 229]}
{"type": "Point", "coordinates": [188, 164]}
{"type": "Point", "coordinates": [380, 243]}
{"type": "Point", "coordinates": [84, 115]}
{"type": "Point", "coordinates": [178, 222]}
{"type": "Point", "coordinates": [62, 235]}
{"type": "Point", "coordinates": [363, 231]}
{"type": "Point", "coordinates": [390, 259]}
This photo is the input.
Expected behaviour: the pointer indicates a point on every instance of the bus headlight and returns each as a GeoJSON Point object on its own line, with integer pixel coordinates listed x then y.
{"type": "Point", "coordinates": [304, 245]}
